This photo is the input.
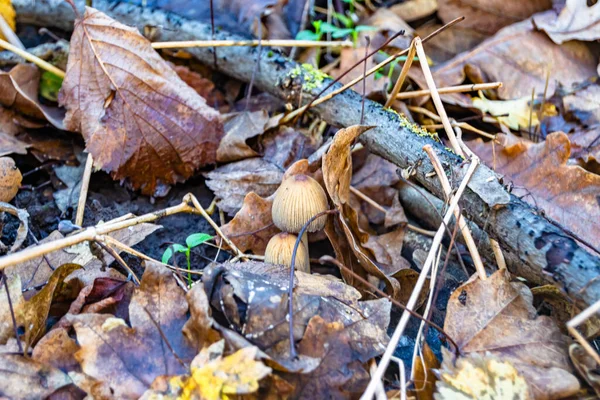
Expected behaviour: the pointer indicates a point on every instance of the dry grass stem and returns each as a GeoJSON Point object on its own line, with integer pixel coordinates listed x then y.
{"type": "Point", "coordinates": [385, 359]}
{"type": "Point", "coordinates": [498, 254]}
{"type": "Point", "coordinates": [450, 89]}
{"type": "Point", "coordinates": [8, 33]}
{"type": "Point", "coordinates": [580, 319]}
{"type": "Point", "coordinates": [31, 58]}
{"type": "Point", "coordinates": [85, 184]}
{"type": "Point", "coordinates": [403, 74]}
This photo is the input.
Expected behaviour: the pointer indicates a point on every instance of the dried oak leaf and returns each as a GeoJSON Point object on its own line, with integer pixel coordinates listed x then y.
{"type": "Point", "coordinates": [497, 317]}
{"type": "Point", "coordinates": [23, 378]}
{"type": "Point", "coordinates": [239, 128]}
{"type": "Point", "coordinates": [568, 194]}
{"type": "Point", "coordinates": [578, 20]}
{"type": "Point", "coordinates": [19, 91]}
{"type": "Point", "coordinates": [58, 350]}
{"type": "Point", "coordinates": [252, 227]}
{"type": "Point", "coordinates": [9, 129]}
{"type": "Point", "coordinates": [413, 10]}
{"type": "Point", "coordinates": [424, 376]}
{"type": "Point", "coordinates": [489, 16]}
{"type": "Point", "coordinates": [586, 366]}
{"type": "Point", "coordinates": [130, 358]}
{"type": "Point", "coordinates": [140, 121]}
{"type": "Point", "coordinates": [233, 181]}
{"type": "Point", "coordinates": [519, 57]}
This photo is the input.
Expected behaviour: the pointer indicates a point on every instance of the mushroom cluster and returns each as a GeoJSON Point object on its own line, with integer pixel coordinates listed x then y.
{"type": "Point", "coordinates": [297, 200]}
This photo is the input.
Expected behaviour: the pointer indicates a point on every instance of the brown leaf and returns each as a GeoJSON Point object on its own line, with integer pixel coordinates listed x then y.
{"type": "Point", "coordinates": [424, 376]}
{"type": "Point", "coordinates": [519, 57]}
{"type": "Point", "coordinates": [586, 366]}
{"type": "Point", "coordinates": [10, 179]}
{"type": "Point", "coordinates": [496, 317]}
{"type": "Point", "coordinates": [58, 350]}
{"type": "Point", "coordinates": [252, 227]}
{"type": "Point", "coordinates": [285, 146]}
{"type": "Point", "coordinates": [9, 144]}
{"type": "Point", "coordinates": [450, 42]}
{"type": "Point", "coordinates": [578, 20]}
{"type": "Point", "coordinates": [585, 148]}
{"type": "Point", "coordinates": [18, 301]}
{"type": "Point", "coordinates": [489, 16]}
{"type": "Point", "coordinates": [238, 129]}
{"type": "Point", "coordinates": [584, 104]}
{"type": "Point", "coordinates": [413, 10]}
{"type": "Point", "coordinates": [232, 182]}
{"type": "Point", "coordinates": [568, 194]}
{"type": "Point", "coordinates": [198, 329]}
{"type": "Point", "coordinates": [129, 359]}
{"type": "Point", "coordinates": [204, 87]}
{"type": "Point", "coordinates": [19, 91]}
{"type": "Point", "coordinates": [141, 121]}
{"type": "Point", "coordinates": [387, 249]}
{"type": "Point", "coordinates": [24, 378]}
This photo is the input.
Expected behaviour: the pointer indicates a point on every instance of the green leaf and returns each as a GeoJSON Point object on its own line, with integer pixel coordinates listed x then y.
{"type": "Point", "coordinates": [167, 255]}
{"type": "Point", "coordinates": [179, 248]}
{"type": "Point", "coordinates": [341, 33]}
{"type": "Point", "coordinates": [50, 86]}
{"type": "Point", "coordinates": [348, 23]}
{"type": "Point", "coordinates": [197, 239]}
{"type": "Point", "coordinates": [307, 35]}
{"type": "Point", "coordinates": [326, 27]}
{"type": "Point", "coordinates": [365, 28]}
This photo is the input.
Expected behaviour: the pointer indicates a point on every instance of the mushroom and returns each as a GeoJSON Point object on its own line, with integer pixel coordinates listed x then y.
{"type": "Point", "coordinates": [10, 179]}
{"type": "Point", "coordinates": [298, 199]}
{"type": "Point", "coordinates": [280, 248]}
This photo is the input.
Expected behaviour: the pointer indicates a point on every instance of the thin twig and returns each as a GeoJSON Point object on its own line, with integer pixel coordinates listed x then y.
{"type": "Point", "coordinates": [8, 33]}
{"type": "Point", "coordinates": [498, 253]}
{"type": "Point", "coordinates": [31, 58]}
{"type": "Point", "coordinates": [364, 81]}
{"type": "Point", "coordinates": [462, 224]}
{"type": "Point", "coordinates": [403, 74]}
{"type": "Point", "coordinates": [85, 184]}
{"type": "Point", "coordinates": [580, 319]}
{"type": "Point", "coordinates": [119, 260]}
{"type": "Point", "coordinates": [212, 32]}
{"type": "Point", "coordinates": [250, 43]}
{"type": "Point", "coordinates": [435, 96]}
{"type": "Point", "coordinates": [391, 348]}
{"type": "Point", "coordinates": [12, 311]}
{"type": "Point", "coordinates": [450, 89]}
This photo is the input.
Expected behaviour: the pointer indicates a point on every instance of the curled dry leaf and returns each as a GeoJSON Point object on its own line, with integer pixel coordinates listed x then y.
{"type": "Point", "coordinates": [23, 228]}
{"type": "Point", "coordinates": [586, 366]}
{"type": "Point", "coordinates": [9, 144]}
{"type": "Point", "coordinates": [10, 179]}
{"type": "Point", "coordinates": [497, 317]}
{"type": "Point", "coordinates": [232, 182]}
{"type": "Point", "coordinates": [140, 121]}
{"type": "Point", "coordinates": [129, 359]}
{"type": "Point", "coordinates": [519, 57]}
{"type": "Point", "coordinates": [424, 376]}
{"type": "Point", "coordinates": [19, 91]}
{"type": "Point", "coordinates": [238, 129]}
{"type": "Point", "coordinates": [578, 20]}
{"type": "Point", "coordinates": [489, 16]}
{"type": "Point", "coordinates": [27, 379]}
{"type": "Point", "coordinates": [568, 194]}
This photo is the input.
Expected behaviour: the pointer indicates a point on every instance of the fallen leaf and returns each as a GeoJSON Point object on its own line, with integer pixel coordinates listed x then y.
{"type": "Point", "coordinates": [585, 148]}
{"type": "Point", "coordinates": [8, 13]}
{"type": "Point", "coordinates": [489, 16]}
{"type": "Point", "coordinates": [25, 379]}
{"type": "Point", "coordinates": [129, 359]}
{"type": "Point", "coordinates": [204, 87]}
{"type": "Point", "coordinates": [519, 57]}
{"type": "Point", "coordinates": [496, 317]}
{"type": "Point", "coordinates": [387, 249]}
{"type": "Point", "coordinates": [9, 144]}
{"type": "Point", "coordinates": [10, 179]}
{"type": "Point", "coordinates": [22, 230]}
{"type": "Point", "coordinates": [239, 128]}
{"type": "Point", "coordinates": [7, 329]}
{"type": "Point", "coordinates": [58, 350]}
{"type": "Point", "coordinates": [232, 182]}
{"type": "Point", "coordinates": [578, 20]}
{"type": "Point", "coordinates": [19, 91]}
{"type": "Point", "coordinates": [286, 145]}
{"type": "Point", "coordinates": [424, 376]}
{"type": "Point", "coordinates": [568, 194]}
{"type": "Point", "coordinates": [413, 10]}
{"type": "Point", "coordinates": [450, 42]}
{"type": "Point", "coordinates": [584, 105]}
{"type": "Point", "coordinates": [513, 113]}
{"type": "Point", "coordinates": [252, 227]}
{"type": "Point", "coordinates": [586, 366]}
{"type": "Point", "coordinates": [214, 376]}
{"type": "Point", "coordinates": [478, 376]}
{"type": "Point", "coordinates": [71, 176]}
{"type": "Point", "coordinates": [141, 121]}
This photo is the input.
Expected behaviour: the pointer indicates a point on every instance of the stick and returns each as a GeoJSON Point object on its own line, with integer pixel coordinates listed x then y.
{"type": "Point", "coordinates": [403, 74]}
{"type": "Point", "coordinates": [580, 319]}
{"type": "Point", "coordinates": [85, 184]}
{"type": "Point", "coordinates": [8, 33]}
{"type": "Point", "coordinates": [412, 301]}
{"type": "Point", "coordinates": [250, 43]}
{"type": "Point", "coordinates": [31, 58]}
{"type": "Point", "coordinates": [450, 89]}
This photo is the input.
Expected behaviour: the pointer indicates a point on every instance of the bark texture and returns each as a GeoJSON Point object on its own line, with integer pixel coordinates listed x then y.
{"type": "Point", "coordinates": [543, 250]}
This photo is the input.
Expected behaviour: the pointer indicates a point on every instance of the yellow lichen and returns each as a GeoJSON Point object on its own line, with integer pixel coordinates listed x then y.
{"type": "Point", "coordinates": [311, 77]}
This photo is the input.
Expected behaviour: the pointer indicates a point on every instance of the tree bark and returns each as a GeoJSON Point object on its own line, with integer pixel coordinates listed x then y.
{"type": "Point", "coordinates": [543, 250]}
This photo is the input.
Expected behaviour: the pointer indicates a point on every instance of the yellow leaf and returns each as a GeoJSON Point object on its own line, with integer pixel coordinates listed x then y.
{"type": "Point", "coordinates": [8, 13]}
{"type": "Point", "coordinates": [512, 113]}
{"type": "Point", "coordinates": [215, 378]}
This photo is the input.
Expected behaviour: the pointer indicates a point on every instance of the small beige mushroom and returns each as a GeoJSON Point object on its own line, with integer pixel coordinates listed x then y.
{"type": "Point", "coordinates": [280, 248]}
{"type": "Point", "coordinates": [10, 179]}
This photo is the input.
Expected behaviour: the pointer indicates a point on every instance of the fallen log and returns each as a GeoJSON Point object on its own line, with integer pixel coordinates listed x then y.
{"type": "Point", "coordinates": [538, 248]}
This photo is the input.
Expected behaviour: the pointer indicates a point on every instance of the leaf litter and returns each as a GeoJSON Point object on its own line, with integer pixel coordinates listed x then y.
{"type": "Point", "coordinates": [152, 125]}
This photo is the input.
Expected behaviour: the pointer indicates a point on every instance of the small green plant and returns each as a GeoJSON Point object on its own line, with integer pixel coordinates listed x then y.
{"type": "Point", "coordinates": [194, 240]}
{"type": "Point", "coordinates": [321, 28]}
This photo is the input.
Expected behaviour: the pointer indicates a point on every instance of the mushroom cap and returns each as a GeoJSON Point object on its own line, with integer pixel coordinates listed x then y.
{"type": "Point", "coordinates": [298, 199]}
{"type": "Point", "coordinates": [10, 179]}
{"type": "Point", "coordinates": [280, 248]}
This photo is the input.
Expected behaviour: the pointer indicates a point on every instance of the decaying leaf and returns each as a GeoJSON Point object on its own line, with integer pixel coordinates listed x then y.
{"type": "Point", "coordinates": [519, 57]}
{"type": "Point", "coordinates": [487, 16]}
{"type": "Point", "coordinates": [413, 10]}
{"type": "Point", "coordinates": [239, 128]}
{"type": "Point", "coordinates": [215, 377]}
{"type": "Point", "coordinates": [58, 350]}
{"type": "Point", "coordinates": [578, 20]}
{"type": "Point", "coordinates": [141, 121]}
{"type": "Point", "coordinates": [496, 318]}
{"type": "Point", "coordinates": [586, 366]}
{"type": "Point", "coordinates": [252, 227]}
{"type": "Point", "coordinates": [204, 87]}
{"type": "Point", "coordinates": [23, 228]}
{"type": "Point", "coordinates": [232, 182]}
{"type": "Point", "coordinates": [424, 376]}
{"type": "Point", "coordinates": [568, 194]}
{"type": "Point", "coordinates": [478, 376]}
{"type": "Point", "coordinates": [516, 114]}
{"type": "Point", "coordinates": [584, 104]}
{"type": "Point", "coordinates": [10, 179]}
{"type": "Point", "coordinates": [27, 379]}
{"type": "Point", "coordinates": [9, 144]}
{"type": "Point", "coordinates": [19, 91]}
{"type": "Point", "coordinates": [129, 359]}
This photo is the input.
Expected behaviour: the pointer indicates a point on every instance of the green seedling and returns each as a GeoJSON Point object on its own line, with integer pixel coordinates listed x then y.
{"type": "Point", "coordinates": [50, 86]}
{"type": "Point", "coordinates": [194, 240]}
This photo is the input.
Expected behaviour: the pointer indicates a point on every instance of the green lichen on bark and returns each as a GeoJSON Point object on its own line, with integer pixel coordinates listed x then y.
{"type": "Point", "coordinates": [311, 77]}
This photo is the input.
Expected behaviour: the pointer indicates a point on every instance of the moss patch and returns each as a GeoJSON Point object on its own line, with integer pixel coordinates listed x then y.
{"type": "Point", "coordinates": [416, 128]}
{"type": "Point", "coordinates": [311, 77]}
